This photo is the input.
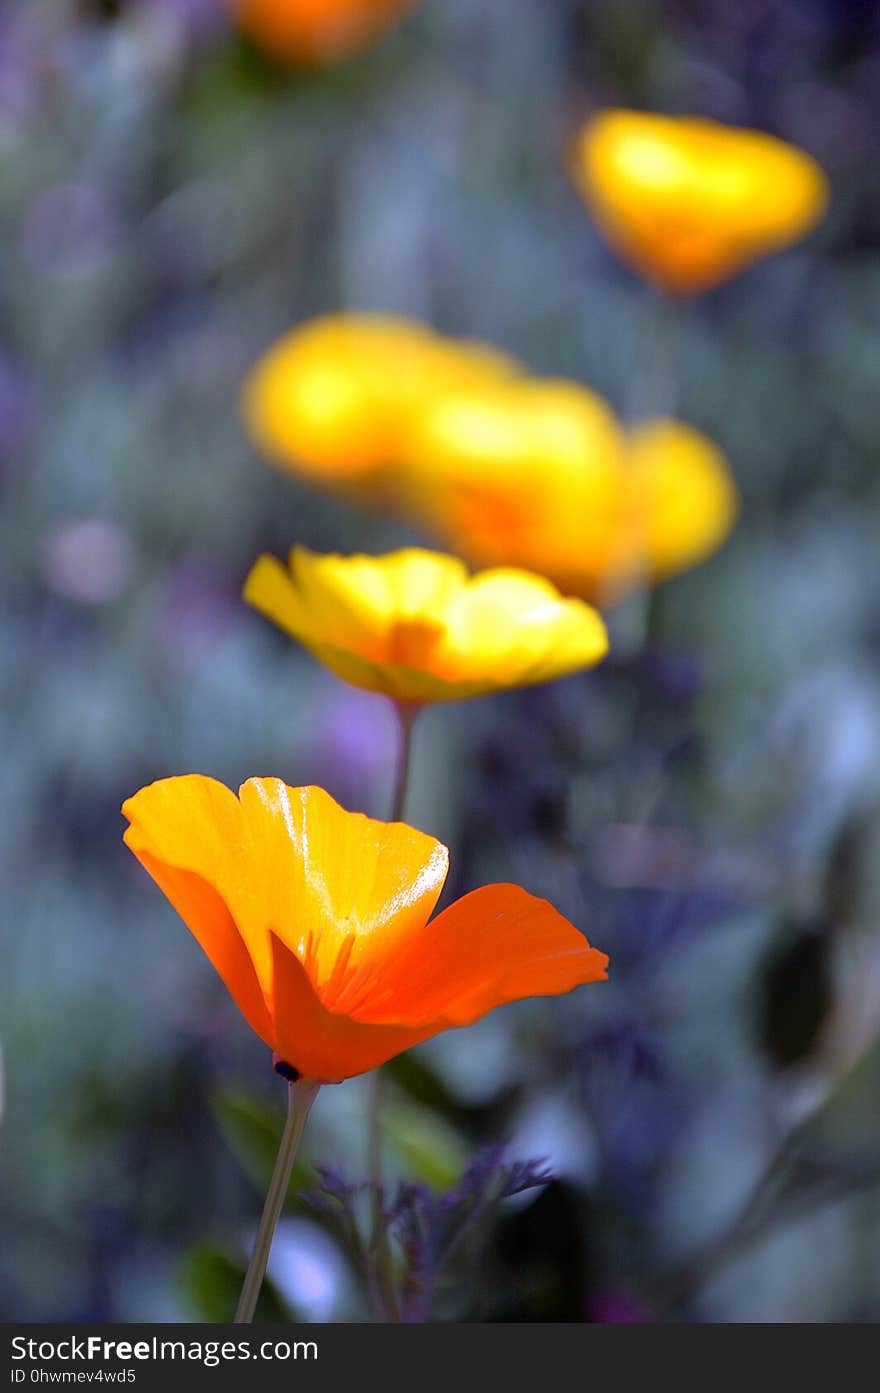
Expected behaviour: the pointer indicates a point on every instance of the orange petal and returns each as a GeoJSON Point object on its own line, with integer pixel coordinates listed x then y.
{"type": "Point", "coordinates": [495, 945]}
{"type": "Point", "coordinates": [192, 889]}
{"type": "Point", "coordinates": [332, 884]}
{"type": "Point", "coordinates": [321, 1044]}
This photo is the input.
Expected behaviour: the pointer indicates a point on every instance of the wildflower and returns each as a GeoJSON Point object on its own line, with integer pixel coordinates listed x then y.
{"type": "Point", "coordinates": [416, 626]}
{"type": "Point", "coordinates": [332, 399]}
{"type": "Point", "coordinates": [317, 31]}
{"type": "Point", "coordinates": [541, 475]}
{"type": "Point", "coordinates": [316, 919]}
{"type": "Point", "coordinates": [525, 474]}
{"type": "Point", "coordinates": [689, 202]}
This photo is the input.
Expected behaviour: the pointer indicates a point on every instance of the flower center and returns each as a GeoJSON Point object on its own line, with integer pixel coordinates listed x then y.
{"type": "Point", "coordinates": [411, 642]}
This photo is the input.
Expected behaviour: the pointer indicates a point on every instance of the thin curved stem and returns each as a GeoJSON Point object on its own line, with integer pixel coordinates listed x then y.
{"type": "Point", "coordinates": [301, 1095]}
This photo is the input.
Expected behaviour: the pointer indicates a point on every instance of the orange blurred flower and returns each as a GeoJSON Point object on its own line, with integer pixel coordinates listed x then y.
{"type": "Point", "coordinates": [317, 31]}
{"type": "Point", "coordinates": [688, 202]}
{"type": "Point", "coordinates": [333, 399]}
{"type": "Point", "coordinates": [316, 919]}
{"type": "Point", "coordinates": [417, 627]}
{"type": "Point", "coordinates": [541, 475]}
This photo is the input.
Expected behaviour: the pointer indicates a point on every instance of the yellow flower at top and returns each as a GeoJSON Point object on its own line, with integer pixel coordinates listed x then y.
{"type": "Point", "coordinates": [688, 202]}
{"type": "Point", "coordinates": [417, 627]}
{"type": "Point", "coordinates": [316, 31]}
{"type": "Point", "coordinates": [333, 399]}
{"type": "Point", "coordinates": [541, 475]}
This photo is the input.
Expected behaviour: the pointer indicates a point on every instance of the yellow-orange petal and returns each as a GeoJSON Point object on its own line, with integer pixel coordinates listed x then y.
{"type": "Point", "coordinates": [689, 202]}
{"type": "Point", "coordinates": [321, 1044]}
{"type": "Point", "coordinates": [522, 630]}
{"type": "Point", "coordinates": [185, 832]}
{"type": "Point", "coordinates": [495, 945]}
{"type": "Point", "coordinates": [336, 887]}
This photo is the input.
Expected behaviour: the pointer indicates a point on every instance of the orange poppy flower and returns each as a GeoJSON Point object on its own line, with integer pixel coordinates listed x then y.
{"type": "Point", "coordinates": [316, 919]}
{"type": "Point", "coordinates": [417, 627]}
{"type": "Point", "coordinates": [688, 202]}
{"type": "Point", "coordinates": [316, 31]}
{"type": "Point", "coordinates": [541, 475]}
{"type": "Point", "coordinates": [333, 399]}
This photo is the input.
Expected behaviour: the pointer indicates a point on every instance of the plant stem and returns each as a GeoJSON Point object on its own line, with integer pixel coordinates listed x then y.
{"type": "Point", "coordinates": [655, 383]}
{"type": "Point", "coordinates": [654, 392]}
{"type": "Point", "coordinates": [301, 1095]}
{"type": "Point", "coordinates": [406, 717]}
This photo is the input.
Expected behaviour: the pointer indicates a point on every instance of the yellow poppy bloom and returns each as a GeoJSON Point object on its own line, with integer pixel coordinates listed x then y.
{"type": "Point", "coordinates": [333, 399]}
{"type": "Point", "coordinates": [316, 31]}
{"type": "Point", "coordinates": [541, 475]}
{"type": "Point", "coordinates": [689, 202]}
{"type": "Point", "coordinates": [417, 627]}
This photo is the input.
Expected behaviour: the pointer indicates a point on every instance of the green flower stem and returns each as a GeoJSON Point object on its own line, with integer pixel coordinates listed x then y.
{"type": "Point", "coordinates": [654, 392]}
{"type": "Point", "coordinates": [301, 1095]}
{"type": "Point", "coordinates": [406, 718]}
{"type": "Point", "coordinates": [654, 388]}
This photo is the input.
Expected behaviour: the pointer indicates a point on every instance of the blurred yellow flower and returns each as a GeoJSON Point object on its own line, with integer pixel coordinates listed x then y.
{"type": "Point", "coordinates": [526, 474]}
{"type": "Point", "coordinates": [417, 627]}
{"type": "Point", "coordinates": [541, 475]}
{"type": "Point", "coordinates": [688, 202]}
{"type": "Point", "coordinates": [316, 31]}
{"type": "Point", "coordinates": [684, 497]}
{"type": "Point", "coordinates": [333, 399]}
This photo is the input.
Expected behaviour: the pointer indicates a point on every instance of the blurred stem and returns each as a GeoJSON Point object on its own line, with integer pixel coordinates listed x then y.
{"type": "Point", "coordinates": [654, 385]}
{"type": "Point", "coordinates": [654, 391]}
{"type": "Point", "coordinates": [301, 1095]}
{"type": "Point", "coordinates": [406, 719]}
